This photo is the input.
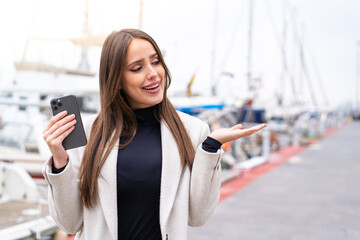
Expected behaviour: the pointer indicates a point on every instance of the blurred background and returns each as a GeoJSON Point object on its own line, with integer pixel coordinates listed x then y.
{"type": "Point", "coordinates": [294, 64]}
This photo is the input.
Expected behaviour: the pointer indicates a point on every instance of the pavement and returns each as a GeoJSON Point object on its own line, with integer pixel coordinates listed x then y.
{"type": "Point", "coordinates": [313, 195]}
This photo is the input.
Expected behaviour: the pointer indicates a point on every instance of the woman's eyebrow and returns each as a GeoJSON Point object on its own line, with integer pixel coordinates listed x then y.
{"type": "Point", "coordinates": [142, 59]}
{"type": "Point", "coordinates": [153, 55]}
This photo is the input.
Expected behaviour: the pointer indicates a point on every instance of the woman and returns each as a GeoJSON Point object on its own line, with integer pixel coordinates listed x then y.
{"type": "Point", "coordinates": [147, 171]}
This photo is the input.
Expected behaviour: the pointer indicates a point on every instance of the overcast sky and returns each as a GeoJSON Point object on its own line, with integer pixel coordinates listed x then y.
{"type": "Point", "coordinates": [184, 30]}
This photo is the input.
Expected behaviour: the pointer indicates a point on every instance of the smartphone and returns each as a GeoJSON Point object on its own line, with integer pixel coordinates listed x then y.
{"type": "Point", "coordinates": [77, 137]}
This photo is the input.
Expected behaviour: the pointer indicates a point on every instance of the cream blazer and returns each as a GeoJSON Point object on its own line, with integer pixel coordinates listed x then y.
{"type": "Point", "coordinates": [186, 197]}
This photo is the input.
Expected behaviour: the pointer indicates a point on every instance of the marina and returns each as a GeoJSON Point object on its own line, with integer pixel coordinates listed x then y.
{"type": "Point", "coordinates": [250, 63]}
{"type": "Point", "coordinates": [272, 199]}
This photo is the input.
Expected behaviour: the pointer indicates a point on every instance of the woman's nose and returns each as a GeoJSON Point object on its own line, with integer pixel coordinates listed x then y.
{"type": "Point", "coordinates": [151, 72]}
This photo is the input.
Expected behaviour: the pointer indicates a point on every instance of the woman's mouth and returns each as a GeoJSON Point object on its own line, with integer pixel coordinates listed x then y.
{"type": "Point", "coordinates": [154, 88]}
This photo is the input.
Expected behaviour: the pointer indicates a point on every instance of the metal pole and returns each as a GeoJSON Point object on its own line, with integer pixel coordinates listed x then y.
{"type": "Point", "coordinates": [249, 73]}
{"type": "Point", "coordinates": [283, 53]}
{"type": "Point", "coordinates": [213, 52]}
{"type": "Point", "coordinates": [357, 77]}
{"type": "Point", "coordinates": [84, 65]}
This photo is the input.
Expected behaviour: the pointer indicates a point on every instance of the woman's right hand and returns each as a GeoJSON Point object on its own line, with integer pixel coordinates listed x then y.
{"type": "Point", "coordinates": [58, 128]}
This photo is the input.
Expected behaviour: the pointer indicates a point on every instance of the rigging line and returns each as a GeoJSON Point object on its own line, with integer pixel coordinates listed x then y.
{"type": "Point", "coordinates": [281, 45]}
{"type": "Point", "coordinates": [231, 42]}
{"type": "Point", "coordinates": [292, 78]}
{"type": "Point", "coordinates": [292, 13]}
{"type": "Point", "coordinates": [306, 72]}
{"type": "Point", "coordinates": [317, 73]}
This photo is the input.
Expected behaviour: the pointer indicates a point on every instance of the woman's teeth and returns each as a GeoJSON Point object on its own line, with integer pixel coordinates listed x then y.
{"type": "Point", "coordinates": [152, 87]}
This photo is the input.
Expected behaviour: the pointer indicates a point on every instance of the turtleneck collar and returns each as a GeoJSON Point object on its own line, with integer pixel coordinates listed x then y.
{"type": "Point", "coordinates": [146, 116]}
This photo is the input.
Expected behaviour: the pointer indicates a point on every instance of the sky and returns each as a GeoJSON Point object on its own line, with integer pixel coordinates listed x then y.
{"type": "Point", "coordinates": [208, 38]}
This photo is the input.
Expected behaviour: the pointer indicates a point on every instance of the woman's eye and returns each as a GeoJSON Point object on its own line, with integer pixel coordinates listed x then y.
{"type": "Point", "coordinates": [156, 62]}
{"type": "Point", "coordinates": [135, 69]}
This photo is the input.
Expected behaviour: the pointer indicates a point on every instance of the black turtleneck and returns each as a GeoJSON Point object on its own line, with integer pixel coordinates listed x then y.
{"type": "Point", "coordinates": [138, 181]}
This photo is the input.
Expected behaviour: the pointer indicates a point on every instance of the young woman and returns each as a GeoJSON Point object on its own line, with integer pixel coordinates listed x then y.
{"type": "Point", "coordinates": [147, 171]}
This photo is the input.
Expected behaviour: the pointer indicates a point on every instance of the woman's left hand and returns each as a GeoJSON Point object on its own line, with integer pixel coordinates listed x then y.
{"type": "Point", "coordinates": [224, 135]}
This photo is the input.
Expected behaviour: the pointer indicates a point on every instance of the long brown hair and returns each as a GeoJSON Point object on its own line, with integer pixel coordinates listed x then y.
{"type": "Point", "coordinates": [116, 118]}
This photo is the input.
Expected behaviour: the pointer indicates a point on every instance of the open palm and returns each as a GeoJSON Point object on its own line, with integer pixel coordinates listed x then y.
{"type": "Point", "coordinates": [224, 135]}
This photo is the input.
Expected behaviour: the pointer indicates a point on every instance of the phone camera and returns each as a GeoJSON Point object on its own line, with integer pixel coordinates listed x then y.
{"type": "Point", "coordinates": [53, 102]}
{"type": "Point", "coordinates": [59, 104]}
{"type": "Point", "coordinates": [55, 108]}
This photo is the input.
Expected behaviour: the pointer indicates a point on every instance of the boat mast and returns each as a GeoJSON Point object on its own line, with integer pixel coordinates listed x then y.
{"type": "Point", "coordinates": [213, 52]}
{"type": "Point", "coordinates": [84, 64]}
{"type": "Point", "coordinates": [249, 67]}
{"type": "Point", "coordinates": [286, 75]}
{"type": "Point", "coordinates": [299, 72]}
{"type": "Point", "coordinates": [283, 54]}
{"type": "Point", "coordinates": [357, 77]}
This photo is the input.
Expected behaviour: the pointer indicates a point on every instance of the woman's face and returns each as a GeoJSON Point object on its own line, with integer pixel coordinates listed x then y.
{"type": "Point", "coordinates": [143, 75]}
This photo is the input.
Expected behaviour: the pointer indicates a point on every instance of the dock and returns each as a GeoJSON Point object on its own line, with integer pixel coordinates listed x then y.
{"type": "Point", "coordinates": [314, 194]}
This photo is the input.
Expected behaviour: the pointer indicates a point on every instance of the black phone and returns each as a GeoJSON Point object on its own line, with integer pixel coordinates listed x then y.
{"type": "Point", "coordinates": [77, 137]}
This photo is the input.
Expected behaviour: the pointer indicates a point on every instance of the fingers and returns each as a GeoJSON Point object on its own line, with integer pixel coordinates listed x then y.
{"type": "Point", "coordinates": [56, 122]}
{"type": "Point", "coordinates": [58, 128]}
{"type": "Point", "coordinates": [57, 141]}
{"type": "Point", "coordinates": [258, 127]}
{"type": "Point", "coordinates": [54, 119]}
{"type": "Point", "coordinates": [63, 129]}
{"type": "Point", "coordinates": [230, 134]}
{"type": "Point", "coordinates": [252, 130]}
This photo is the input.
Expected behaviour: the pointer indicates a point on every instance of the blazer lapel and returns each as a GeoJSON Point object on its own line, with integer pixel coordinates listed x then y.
{"type": "Point", "coordinates": [108, 191]}
{"type": "Point", "coordinates": [170, 173]}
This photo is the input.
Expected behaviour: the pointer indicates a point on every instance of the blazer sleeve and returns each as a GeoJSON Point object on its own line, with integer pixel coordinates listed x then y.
{"type": "Point", "coordinates": [205, 182]}
{"type": "Point", "coordinates": [64, 195]}
{"type": "Point", "coordinates": [63, 189]}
